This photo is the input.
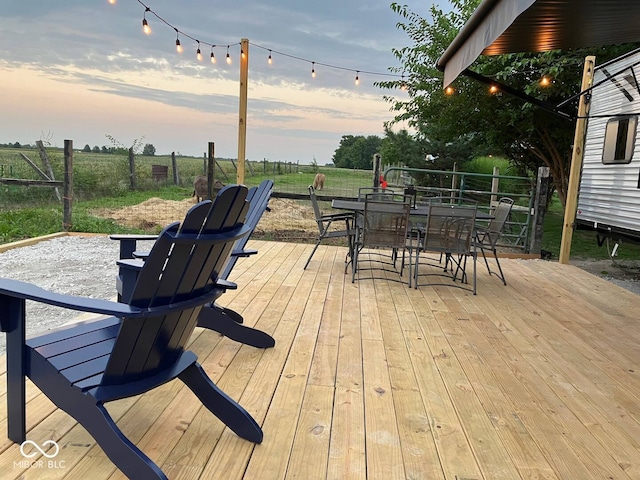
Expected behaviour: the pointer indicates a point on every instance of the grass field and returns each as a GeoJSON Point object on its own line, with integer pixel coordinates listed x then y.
{"type": "Point", "coordinates": [102, 181]}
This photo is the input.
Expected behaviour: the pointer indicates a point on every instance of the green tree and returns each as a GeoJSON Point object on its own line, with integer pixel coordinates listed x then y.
{"type": "Point", "coordinates": [149, 150]}
{"type": "Point", "coordinates": [96, 149]}
{"type": "Point", "coordinates": [476, 120]}
{"type": "Point", "coordinates": [87, 148]}
{"type": "Point", "coordinates": [357, 151]}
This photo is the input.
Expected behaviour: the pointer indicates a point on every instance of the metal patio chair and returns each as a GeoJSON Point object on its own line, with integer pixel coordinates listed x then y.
{"type": "Point", "coordinates": [486, 238]}
{"type": "Point", "coordinates": [324, 227]}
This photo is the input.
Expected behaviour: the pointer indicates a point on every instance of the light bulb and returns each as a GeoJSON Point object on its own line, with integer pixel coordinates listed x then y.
{"type": "Point", "coordinates": [112, 2]}
{"type": "Point", "coordinates": [145, 27]}
{"type": "Point", "coordinates": [313, 69]}
{"type": "Point", "coordinates": [228, 56]}
{"type": "Point", "coordinates": [213, 57]}
{"type": "Point", "coordinates": [269, 60]}
{"type": "Point", "coordinates": [179, 48]}
{"type": "Point", "coordinates": [357, 78]}
{"type": "Point", "coordinates": [493, 89]}
{"type": "Point", "coordinates": [449, 90]}
{"type": "Point", "coordinates": [544, 81]}
{"type": "Point", "coordinates": [199, 53]}
{"type": "Point", "coordinates": [242, 54]}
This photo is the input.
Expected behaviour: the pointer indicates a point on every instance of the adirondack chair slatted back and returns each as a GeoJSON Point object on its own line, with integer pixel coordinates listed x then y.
{"type": "Point", "coordinates": [258, 198]}
{"type": "Point", "coordinates": [179, 267]}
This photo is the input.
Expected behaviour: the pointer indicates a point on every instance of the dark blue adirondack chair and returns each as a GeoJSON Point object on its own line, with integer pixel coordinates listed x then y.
{"type": "Point", "coordinates": [140, 346]}
{"type": "Point", "coordinates": [212, 316]}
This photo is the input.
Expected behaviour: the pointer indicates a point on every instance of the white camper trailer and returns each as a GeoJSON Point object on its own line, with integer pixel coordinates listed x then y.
{"type": "Point", "coordinates": [609, 197]}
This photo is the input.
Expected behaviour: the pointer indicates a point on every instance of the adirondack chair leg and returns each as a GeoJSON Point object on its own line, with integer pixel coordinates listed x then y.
{"type": "Point", "coordinates": [92, 415]}
{"type": "Point", "coordinates": [226, 311]}
{"type": "Point", "coordinates": [220, 404]}
{"type": "Point", "coordinates": [124, 454]}
{"type": "Point", "coordinates": [218, 321]}
{"type": "Point", "coordinates": [12, 312]}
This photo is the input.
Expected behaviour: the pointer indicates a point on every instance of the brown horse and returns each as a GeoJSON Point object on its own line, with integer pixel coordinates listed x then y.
{"type": "Point", "coordinates": [318, 182]}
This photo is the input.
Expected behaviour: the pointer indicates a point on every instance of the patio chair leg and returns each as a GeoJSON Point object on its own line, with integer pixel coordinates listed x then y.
{"type": "Point", "coordinates": [495, 254]}
{"type": "Point", "coordinates": [220, 404]}
{"type": "Point", "coordinates": [311, 256]}
{"type": "Point", "coordinates": [218, 321]}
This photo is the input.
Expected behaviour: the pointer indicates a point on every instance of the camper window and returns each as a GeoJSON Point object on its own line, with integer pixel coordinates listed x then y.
{"type": "Point", "coordinates": [619, 139]}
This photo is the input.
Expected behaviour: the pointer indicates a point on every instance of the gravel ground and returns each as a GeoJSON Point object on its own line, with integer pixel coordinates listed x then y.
{"type": "Point", "coordinates": [86, 266]}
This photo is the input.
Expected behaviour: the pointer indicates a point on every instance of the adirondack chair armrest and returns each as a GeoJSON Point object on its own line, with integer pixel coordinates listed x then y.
{"type": "Point", "coordinates": [244, 253]}
{"type": "Point", "coordinates": [27, 291]}
{"type": "Point", "coordinates": [226, 284]}
{"type": "Point", "coordinates": [128, 242]}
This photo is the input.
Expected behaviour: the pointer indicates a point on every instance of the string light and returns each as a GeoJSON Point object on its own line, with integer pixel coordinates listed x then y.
{"type": "Point", "coordinates": [145, 25]}
{"type": "Point", "coordinates": [545, 82]}
{"type": "Point", "coordinates": [403, 85]}
{"type": "Point", "coordinates": [449, 90]}
{"type": "Point", "coordinates": [179, 48]}
{"type": "Point", "coordinates": [493, 89]}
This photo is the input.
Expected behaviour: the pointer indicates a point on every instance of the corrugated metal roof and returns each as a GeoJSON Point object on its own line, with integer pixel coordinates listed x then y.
{"type": "Point", "coordinates": [508, 26]}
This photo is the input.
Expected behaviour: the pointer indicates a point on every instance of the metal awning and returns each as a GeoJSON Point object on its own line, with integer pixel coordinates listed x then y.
{"type": "Point", "coordinates": [509, 26]}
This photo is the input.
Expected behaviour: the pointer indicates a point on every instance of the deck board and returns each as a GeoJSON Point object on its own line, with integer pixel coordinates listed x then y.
{"type": "Point", "coordinates": [376, 380]}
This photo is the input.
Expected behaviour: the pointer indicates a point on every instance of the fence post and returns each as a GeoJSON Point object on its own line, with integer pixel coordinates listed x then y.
{"type": "Point", "coordinates": [454, 181]}
{"type": "Point", "coordinates": [132, 170]}
{"type": "Point", "coordinates": [174, 165]}
{"type": "Point", "coordinates": [495, 185]}
{"type": "Point", "coordinates": [377, 160]}
{"type": "Point", "coordinates": [540, 208]}
{"type": "Point", "coordinates": [211, 169]}
{"type": "Point", "coordinates": [67, 195]}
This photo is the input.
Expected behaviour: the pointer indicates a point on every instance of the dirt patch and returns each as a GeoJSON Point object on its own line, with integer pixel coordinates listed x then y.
{"type": "Point", "coordinates": [288, 220]}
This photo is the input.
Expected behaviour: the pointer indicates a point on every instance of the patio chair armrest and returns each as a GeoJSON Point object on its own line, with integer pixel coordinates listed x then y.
{"type": "Point", "coordinates": [244, 252]}
{"type": "Point", "coordinates": [28, 291]}
{"type": "Point", "coordinates": [226, 284]}
{"type": "Point", "coordinates": [128, 242]}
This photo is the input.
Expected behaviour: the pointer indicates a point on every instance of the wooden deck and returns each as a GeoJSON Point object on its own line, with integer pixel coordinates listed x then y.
{"type": "Point", "coordinates": [538, 379]}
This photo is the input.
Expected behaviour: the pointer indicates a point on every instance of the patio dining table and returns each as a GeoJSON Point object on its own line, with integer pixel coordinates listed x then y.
{"type": "Point", "coordinates": [417, 211]}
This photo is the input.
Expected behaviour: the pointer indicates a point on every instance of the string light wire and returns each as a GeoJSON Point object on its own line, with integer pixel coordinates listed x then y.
{"type": "Point", "coordinates": [270, 50]}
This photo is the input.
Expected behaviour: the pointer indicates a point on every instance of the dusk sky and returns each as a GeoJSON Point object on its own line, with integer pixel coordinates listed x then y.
{"type": "Point", "coordinates": [82, 69]}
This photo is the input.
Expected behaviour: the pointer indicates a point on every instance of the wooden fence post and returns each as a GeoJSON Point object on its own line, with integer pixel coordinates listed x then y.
{"type": "Point", "coordinates": [174, 165]}
{"type": "Point", "coordinates": [211, 169]}
{"type": "Point", "coordinates": [132, 170]}
{"type": "Point", "coordinates": [495, 185]}
{"type": "Point", "coordinates": [540, 209]}
{"type": "Point", "coordinates": [67, 196]}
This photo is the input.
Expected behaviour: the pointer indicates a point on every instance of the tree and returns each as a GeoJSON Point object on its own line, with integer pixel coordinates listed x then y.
{"type": "Point", "coordinates": [87, 148]}
{"type": "Point", "coordinates": [357, 151]}
{"type": "Point", "coordinates": [149, 150]}
{"type": "Point", "coordinates": [501, 124]}
{"type": "Point", "coordinates": [96, 149]}
{"type": "Point", "coordinates": [105, 149]}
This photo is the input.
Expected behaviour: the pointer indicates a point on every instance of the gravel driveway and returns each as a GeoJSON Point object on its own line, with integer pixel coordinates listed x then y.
{"type": "Point", "coordinates": [73, 265]}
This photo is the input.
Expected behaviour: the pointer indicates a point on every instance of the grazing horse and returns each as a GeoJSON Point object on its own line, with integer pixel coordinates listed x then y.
{"type": "Point", "coordinates": [200, 188]}
{"type": "Point", "coordinates": [318, 182]}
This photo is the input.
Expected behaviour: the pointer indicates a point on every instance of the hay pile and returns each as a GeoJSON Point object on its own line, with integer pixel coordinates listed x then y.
{"type": "Point", "coordinates": [287, 220]}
